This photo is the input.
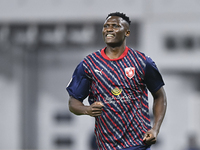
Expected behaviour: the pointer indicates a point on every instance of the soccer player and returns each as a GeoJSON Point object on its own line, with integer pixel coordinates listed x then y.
{"type": "Point", "coordinates": [116, 79]}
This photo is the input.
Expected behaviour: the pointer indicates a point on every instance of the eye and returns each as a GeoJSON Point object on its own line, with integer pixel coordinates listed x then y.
{"type": "Point", "coordinates": [105, 26]}
{"type": "Point", "coordinates": [116, 26]}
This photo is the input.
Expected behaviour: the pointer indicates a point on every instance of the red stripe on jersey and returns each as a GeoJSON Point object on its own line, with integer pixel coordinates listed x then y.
{"type": "Point", "coordinates": [137, 59]}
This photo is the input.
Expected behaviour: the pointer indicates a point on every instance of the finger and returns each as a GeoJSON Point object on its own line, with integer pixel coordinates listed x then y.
{"type": "Point", "coordinates": [96, 111]}
{"type": "Point", "coordinates": [96, 114]}
{"type": "Point", "coordinates": [97, 107]}
{"type": "Point", "coordinates": [145, 137]}
{"type": "Point", "coordinates": [99, 103]}
{"type": "Point", "coordinates": [150, 140]}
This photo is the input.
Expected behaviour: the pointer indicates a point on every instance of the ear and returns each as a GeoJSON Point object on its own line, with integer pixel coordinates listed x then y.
{"type": "Point", "coordinates": [128, 33]}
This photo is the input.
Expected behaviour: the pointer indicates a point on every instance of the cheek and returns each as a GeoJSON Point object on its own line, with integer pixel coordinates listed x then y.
{"type": "Point", "coordinates": [121, 35]}
{"type": "Point", "coordinates": [103, 32]}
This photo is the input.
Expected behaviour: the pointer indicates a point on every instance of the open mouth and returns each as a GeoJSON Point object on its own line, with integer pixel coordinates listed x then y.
{"type": "Point", "coordinates": [109, 35]}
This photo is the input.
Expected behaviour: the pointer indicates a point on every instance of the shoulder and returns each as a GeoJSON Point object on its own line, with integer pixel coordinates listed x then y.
{"type": "Point", "coordinates": [79, 69]}
{"type": "Point", "coordinates": [90, 61]}
{"type": "Point", "coordinates": [137, 53]}
{"type": "Point", "coordinates": [92, 56]}
{"type": "Point", "coordinates": [150, 62]}
{"type": "Point", "coordinates": [96, 52]}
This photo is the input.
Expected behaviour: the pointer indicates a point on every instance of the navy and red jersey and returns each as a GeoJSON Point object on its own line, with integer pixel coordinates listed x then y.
{"type": "Point", "coordinates": [121, 85]}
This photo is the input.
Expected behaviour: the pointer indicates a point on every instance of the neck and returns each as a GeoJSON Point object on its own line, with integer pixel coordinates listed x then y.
{"type": "Point", "coordinates": [115, 52]}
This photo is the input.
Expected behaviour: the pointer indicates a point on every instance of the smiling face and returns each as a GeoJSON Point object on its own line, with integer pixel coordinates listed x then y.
{"type": "Point", "coordinates": [115, 30]}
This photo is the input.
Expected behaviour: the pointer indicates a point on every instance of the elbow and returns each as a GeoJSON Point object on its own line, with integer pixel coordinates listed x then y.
{"type": "Point", "coordinates": [164, 97]}
{"type": "Point", "coordinates": [73, 110]}
{"type": "Point", "coordinates": [71, 107]}
{"type": "Point", "coordinates": [165, 102]}
{"type": "Point", "coordinates": [75, 106]}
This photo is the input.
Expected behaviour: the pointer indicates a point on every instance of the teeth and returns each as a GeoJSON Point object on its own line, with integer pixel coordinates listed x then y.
{"type": "Point", "coordinates": [109, 35]}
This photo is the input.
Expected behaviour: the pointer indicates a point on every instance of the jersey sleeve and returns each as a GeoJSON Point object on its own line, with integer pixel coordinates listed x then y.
{"type": "Point", "coordinates": [153, 78]}
{"type": "Point", "coordinates": [78, 87]}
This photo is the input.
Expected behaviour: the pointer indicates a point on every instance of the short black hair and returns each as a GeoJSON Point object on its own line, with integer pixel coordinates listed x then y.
{"type": "Point", "coordinates": [122, 15]}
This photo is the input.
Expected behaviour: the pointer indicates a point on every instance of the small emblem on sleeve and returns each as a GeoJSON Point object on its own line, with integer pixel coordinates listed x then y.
{"type": "Point", "coordinates": [130, 72]}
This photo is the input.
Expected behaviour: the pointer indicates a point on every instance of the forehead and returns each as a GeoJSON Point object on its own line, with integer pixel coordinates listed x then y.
{"type": "Point", "coordinates": [114, 19]}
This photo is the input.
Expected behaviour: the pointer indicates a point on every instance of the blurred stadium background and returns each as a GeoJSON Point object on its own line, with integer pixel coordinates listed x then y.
{"type": "Point", "coordinates": [42, 41]}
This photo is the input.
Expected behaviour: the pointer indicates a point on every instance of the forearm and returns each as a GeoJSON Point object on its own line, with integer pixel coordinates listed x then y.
{"type": "Point", "coordinates": [159, 109]}
{"type": "Point", "coordinates": [77, 107]}
{"type": "Point", "coordinates": [159, 113]}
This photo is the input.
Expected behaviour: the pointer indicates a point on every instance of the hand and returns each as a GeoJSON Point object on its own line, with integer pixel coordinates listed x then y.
{"type": "Point", "coordinates": [150, 137]}
{"type": "Point", "coordinates": [95, 109]}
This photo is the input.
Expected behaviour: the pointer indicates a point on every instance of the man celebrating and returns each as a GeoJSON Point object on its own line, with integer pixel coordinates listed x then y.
{"type": "Point", "coordinates": [116, 79]}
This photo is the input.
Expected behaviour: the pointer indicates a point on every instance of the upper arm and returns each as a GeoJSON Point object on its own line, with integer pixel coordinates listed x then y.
{"type": "Point", "coordinates": [159, 94]}
{"type": "Point", "coordinates": [153, 78]}
{"type": "Point", "coordinates": [74, 102]}
{"type": "Point", "coordinates": [79, 84]}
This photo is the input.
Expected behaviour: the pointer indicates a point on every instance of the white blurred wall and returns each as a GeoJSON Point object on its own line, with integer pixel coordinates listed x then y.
{"type": "Point", "coordinates": [158, 19]}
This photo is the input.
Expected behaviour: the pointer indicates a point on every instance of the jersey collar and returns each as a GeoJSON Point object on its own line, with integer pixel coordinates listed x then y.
{"type": "Point", "coordinates": [120, 57]}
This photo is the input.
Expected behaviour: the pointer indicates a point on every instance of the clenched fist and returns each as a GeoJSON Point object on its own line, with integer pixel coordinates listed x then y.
{"type": "Point", "coordinates": [95, 109]}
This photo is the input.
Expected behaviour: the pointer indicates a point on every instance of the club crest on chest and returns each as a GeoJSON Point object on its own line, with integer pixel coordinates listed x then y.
{"type": "Point", "coordinates": [130, 72]}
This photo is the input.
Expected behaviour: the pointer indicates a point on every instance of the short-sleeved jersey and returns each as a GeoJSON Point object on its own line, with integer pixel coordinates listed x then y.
{"type": "Point", "coordinates": [121, 85]}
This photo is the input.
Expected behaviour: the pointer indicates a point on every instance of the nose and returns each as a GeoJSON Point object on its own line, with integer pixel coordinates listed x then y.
{"type": "Point", "coordinates": [109, 29]}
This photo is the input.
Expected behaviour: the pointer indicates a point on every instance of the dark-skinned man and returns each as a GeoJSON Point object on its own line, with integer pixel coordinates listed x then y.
{"type": "Point", "coordinates": [116, 79]}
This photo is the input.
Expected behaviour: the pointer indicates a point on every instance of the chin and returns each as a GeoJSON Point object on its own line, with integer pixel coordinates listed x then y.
{"type": "Point", "coordinates": [107, 41]}
{"type": "Point", "coordinates": [113, 44]}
